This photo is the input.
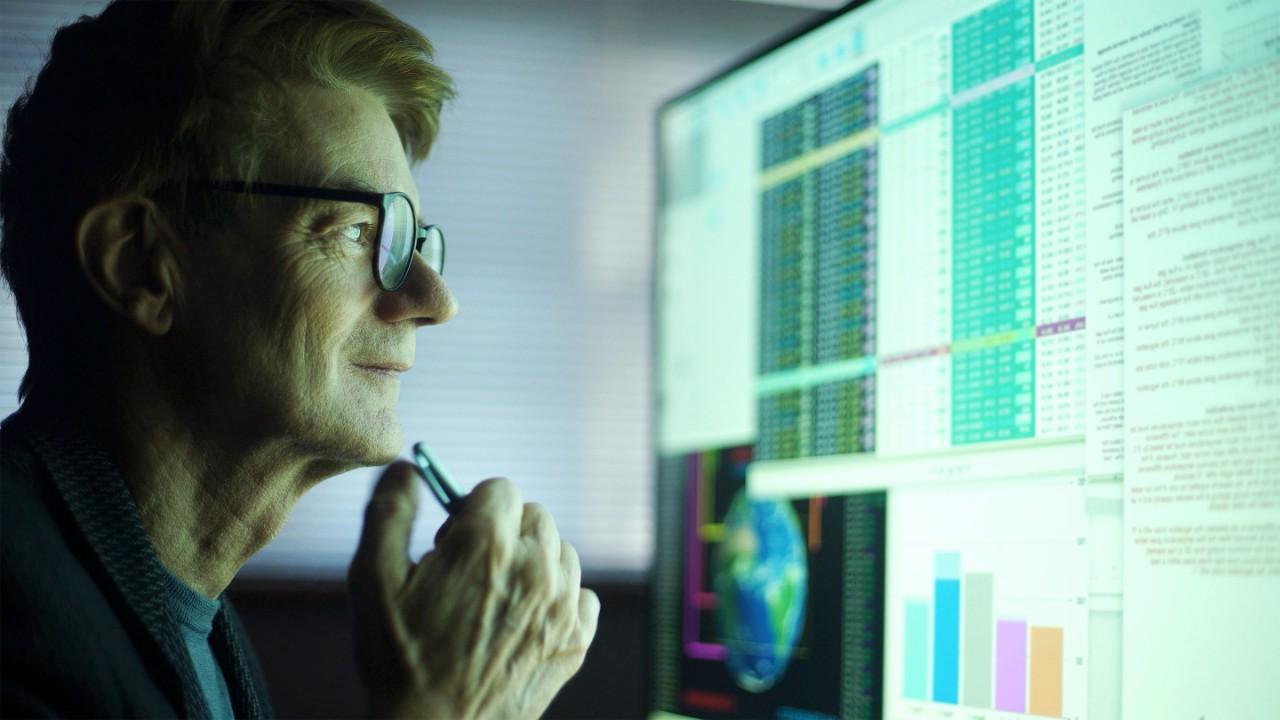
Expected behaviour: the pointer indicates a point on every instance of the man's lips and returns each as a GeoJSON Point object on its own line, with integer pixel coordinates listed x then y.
{"type": "Point", "coordinates": [389, 368]}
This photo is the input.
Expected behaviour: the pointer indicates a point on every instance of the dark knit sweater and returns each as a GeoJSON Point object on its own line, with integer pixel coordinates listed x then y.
{"type": "Point", "coordinates": [86, 627]}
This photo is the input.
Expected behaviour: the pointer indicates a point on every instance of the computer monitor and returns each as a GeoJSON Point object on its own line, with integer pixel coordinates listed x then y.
{"type": "Point", "coordinates": [907, 384]}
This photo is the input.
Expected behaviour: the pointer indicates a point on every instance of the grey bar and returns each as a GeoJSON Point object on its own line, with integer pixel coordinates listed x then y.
{"type": "Point", "coordinates": [979, 619]}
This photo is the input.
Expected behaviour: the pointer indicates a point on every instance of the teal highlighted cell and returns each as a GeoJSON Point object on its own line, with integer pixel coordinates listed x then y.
{"type": "Point", "coordinates": [912, 118]}
{"type": "Point", "coordinates": [993, 391]}
{"type": "Point", "coordinates": [993, 234]}
{"type": "Point", "coordinates": [991, 42]}
{"type": "Point", "coordinates": [1060, 57]}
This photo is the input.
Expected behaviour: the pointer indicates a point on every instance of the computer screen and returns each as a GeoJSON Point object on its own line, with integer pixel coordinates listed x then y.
{"type": "Point", "coordinates": [967, 370]}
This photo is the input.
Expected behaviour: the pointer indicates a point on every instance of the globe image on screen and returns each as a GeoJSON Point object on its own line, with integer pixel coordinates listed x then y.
{"type": "Point", "coordinates": [760, 575]}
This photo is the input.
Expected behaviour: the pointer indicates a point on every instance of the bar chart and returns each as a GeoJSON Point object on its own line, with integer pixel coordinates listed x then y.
{"type": "Point", "coordinates": [985, 608]}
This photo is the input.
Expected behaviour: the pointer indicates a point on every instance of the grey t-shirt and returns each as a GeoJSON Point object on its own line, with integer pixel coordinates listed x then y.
{"type": "Point", "coordinates": [194, 613]}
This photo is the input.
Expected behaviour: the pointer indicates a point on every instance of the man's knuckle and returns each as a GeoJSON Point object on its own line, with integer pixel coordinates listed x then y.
{"type": "Point", "coordinates": [386, 507]}
{"type": "Point", "coordinates": [535, 575]}
{"type": "Point", "coordinates": [569, 554]}
{"type": "Point", "coordinates": [497, 489]}
{"type": "Point", "coordinates": [567, 609]}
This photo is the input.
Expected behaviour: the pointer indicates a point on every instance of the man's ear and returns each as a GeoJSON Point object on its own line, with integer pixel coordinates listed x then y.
{"type": "Point", "coordinates": [125, 256]}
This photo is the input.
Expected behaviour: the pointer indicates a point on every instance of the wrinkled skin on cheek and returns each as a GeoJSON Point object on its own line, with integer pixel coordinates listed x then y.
{"type": "Point", "coordinates": [322, 325]}
{"type": "Point", "coordinates": [278, 345]}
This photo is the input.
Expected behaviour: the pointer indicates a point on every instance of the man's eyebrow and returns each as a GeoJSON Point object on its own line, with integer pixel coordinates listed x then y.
{"type": "Point", "coordinates": [343, 182]}
{"type": "Point", "coordinates": [351, 183]}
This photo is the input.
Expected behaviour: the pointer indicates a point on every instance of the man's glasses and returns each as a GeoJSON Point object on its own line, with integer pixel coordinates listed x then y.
{"type": "Point", "coordinates": [399, 234]}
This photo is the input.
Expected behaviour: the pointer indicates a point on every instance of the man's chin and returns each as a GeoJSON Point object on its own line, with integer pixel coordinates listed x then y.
{"type": "Point", "coordinates": [391, 440]}
{"type": "Point", "coordinates": [374, 439]}
{"type": "Point", "coordinates": [382, 440]}
{"type": "Point", "coordinates": [353, 456]}
{"type": "Point", "coordinates": [384, 457]}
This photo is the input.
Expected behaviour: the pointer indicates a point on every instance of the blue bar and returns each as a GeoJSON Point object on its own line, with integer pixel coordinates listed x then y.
{"type": "Point", "coordinates": [916, 664]}
{"type": "Point", "coordinates": [946, 628]}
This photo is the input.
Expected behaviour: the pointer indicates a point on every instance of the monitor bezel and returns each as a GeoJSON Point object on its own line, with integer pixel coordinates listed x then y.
{"type": "Point", "coordinates": [763, 49]}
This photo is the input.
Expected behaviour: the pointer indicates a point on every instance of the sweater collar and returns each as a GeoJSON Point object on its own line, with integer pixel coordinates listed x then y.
{"type": "Point", "coordinates": [100, 502]}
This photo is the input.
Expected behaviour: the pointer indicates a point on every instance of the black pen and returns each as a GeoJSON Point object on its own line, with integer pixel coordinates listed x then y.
{"type": "Point", "coordinates": [438, 479]}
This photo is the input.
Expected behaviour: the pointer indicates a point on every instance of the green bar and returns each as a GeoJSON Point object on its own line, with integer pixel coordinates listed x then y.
{"type": "Point", "coordinates": [1059, 57]}
{"type": "Point", "coordinates": [979, 618]}
{"type": "Point", "coordinates": [910, 118]}
{"type": "Point", "coordinates": [810, 375]}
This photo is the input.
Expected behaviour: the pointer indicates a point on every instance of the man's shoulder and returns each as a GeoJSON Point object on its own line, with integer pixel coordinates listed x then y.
{"type": "Point", "coordinates": [38, 534]}
{"type": "Point", "coordinates": [37, 537]}
{"type": "Point", "coordinates": [65, 635]}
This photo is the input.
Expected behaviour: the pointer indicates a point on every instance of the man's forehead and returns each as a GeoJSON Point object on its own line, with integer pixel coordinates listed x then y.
{"type": "Point", "coordinates": [348, 141]}
{"type": "Point", "coordinates": [364, 182]}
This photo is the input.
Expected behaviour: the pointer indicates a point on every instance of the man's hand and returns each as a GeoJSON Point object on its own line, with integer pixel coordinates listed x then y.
{"type": "Point", "coordinates": [489, 624]}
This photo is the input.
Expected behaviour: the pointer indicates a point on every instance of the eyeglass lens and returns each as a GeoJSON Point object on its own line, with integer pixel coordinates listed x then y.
{"type": "Point", "coordinates": [395, 246]}
{"type": "Point", "coordinates": [396, 241]}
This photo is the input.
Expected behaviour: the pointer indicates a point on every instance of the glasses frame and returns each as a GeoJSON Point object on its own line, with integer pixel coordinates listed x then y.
{"type": "Point", "coordinates": [382, 201]}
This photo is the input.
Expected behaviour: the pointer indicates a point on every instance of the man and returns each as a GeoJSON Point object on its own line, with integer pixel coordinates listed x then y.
{"type": "Point", "coordinates": [216, 248]}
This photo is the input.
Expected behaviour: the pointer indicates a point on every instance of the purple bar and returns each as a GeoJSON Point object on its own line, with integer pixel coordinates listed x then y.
{"type": "Point", "coordinates": [1059, 327]}
{"type": "Point", "coordinates": [1011, 665]}
{"type": "Point", "coordinates": [693, 569]}
{"type": "Point", "coordinates": [705, 651]}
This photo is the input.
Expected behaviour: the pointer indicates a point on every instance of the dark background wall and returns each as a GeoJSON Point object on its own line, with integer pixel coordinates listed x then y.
{"type": "Point", "coordinates": [302, 633]}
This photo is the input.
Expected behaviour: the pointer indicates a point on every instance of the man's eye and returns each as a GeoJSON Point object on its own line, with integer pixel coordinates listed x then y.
{"type": "Point", "coordinates": [356, 232]}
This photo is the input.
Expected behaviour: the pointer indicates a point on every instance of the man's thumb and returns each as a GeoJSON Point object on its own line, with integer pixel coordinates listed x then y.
{"type": "Point", "coordinates": [383, 553]}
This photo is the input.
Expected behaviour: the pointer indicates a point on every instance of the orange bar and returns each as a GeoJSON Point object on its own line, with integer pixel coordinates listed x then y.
{"type": "Point", "coordinates": [1046, 671]}
{"type": "Point", "coordinates": [815, 524]}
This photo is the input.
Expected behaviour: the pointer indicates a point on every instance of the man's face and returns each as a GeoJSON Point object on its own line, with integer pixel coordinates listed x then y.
{"type": "Point", "coordinates": [288, 320]}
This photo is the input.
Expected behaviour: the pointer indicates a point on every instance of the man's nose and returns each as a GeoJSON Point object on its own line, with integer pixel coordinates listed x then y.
{"type": "Point", "coordinates": [424, 297]}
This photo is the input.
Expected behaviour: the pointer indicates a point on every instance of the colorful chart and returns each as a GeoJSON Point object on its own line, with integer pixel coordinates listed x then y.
{"type": "Point", "coordinates": [986, 606]}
